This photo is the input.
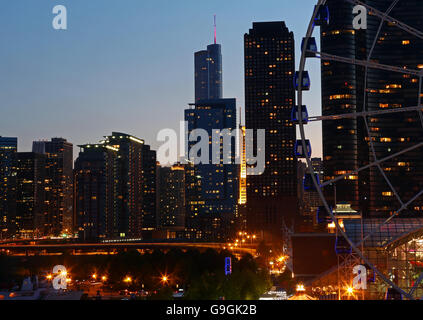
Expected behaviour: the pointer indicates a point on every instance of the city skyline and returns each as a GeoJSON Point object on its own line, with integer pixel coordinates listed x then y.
{"type": "Point", "coordinates": [70, 71]}
{"type": "Point", "coordinates": [284, 173]}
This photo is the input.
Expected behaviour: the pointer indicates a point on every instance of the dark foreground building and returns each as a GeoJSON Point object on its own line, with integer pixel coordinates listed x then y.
{"type": "Point", "coordinates": [59, 184]}
{"type": "Point", "coordinates": [31, 205]}
{"type": "Point", "coordinates": [95, 191]}
{"type": "Point", "coordinates": [116, 188]}
{"type": "Point", "coordinates": [347, 143]}
{"type": "Point", "coordinates": [171, 204]}
{"type": "Point", "coordinates": [269, 97]}
{"type": "Point", "coordinates": [8, 149]}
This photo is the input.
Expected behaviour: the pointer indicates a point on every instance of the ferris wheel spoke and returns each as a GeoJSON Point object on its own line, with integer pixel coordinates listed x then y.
{"type": "Point", "coordinates": [365, 63]}
{"type": "Point", "coordinates": [373, 164]}
{"type": "Point", "coordinates": [420, 99]}
{"type": "Point", "coordinates": [388, 18]}
{"type": "Point", "coordinates": [403, 207]}
{"type": "Point", "coordinates": [354, 115]}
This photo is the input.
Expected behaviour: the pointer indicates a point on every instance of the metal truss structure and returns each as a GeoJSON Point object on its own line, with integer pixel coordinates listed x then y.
{"type": "Point", "coordinates": [359, 256]}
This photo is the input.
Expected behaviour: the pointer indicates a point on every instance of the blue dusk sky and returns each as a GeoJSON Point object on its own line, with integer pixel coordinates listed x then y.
{"type": "Point", "coordinates": [124, 65]}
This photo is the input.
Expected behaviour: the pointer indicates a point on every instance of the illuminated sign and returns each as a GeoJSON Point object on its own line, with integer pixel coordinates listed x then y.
{"type": "Point", "coordinates": [228, 266]}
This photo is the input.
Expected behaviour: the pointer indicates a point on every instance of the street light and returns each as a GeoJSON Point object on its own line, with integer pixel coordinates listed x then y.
{"type": "Point", "coordinates": [165, 279]}
{"type": "Point", "coordinates": [350, 292]}
{"type": "Point", "coordinates": [94, 276]}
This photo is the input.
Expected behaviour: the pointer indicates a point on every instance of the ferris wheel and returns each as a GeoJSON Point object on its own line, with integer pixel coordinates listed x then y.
{"type": "Point", "coordinates": [300, 115]}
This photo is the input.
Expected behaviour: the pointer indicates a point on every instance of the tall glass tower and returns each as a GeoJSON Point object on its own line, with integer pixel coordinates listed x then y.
{"type": "Point", "coordinates": [348, 144]}
{"type": "Point", "coordinates": [269, 99]}
{"type": "Point", "coordinates": [208, 73]}
{"type": "Point", "coordinates": [218, 181]}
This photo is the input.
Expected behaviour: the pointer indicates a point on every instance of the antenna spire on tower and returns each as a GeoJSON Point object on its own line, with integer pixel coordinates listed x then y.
{"type": "Point", "coordinates": [215, 33]}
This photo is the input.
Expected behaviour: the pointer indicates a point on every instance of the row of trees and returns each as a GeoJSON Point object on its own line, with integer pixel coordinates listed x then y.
{"type": "Point", "coordinates": [200, 274]}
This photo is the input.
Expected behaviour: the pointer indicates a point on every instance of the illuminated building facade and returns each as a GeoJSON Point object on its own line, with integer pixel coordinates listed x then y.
{"type": "Point", "coordinates": [346, 142]}
{"type": "Point", "coordinates": [135, 181]}
{"type": "Point", "coordinates": [30, 195]}
{"type": "Point", "coordinates": [242, 200]}
{"type": "Point", "coordinates": [94, 191]}
{"type": "Point", "coordinates": [208, 73]}
{"type": "Point", "coordinates": [269, 97]}
{"type": "Point", "coordinates": [193, 202]}
{"type": "Point", "coordinates": [8, 149]}
{"type": "Point", "coordinates": [171, 199]}
{"type": "Point", "coordinates": [396, 250]}
{"type": "Point", "coordinates": [59, 176]}
{"type": "Point", "coordinates": [116, 188]}
{"type": "Point", "coordinates": [219, 182]}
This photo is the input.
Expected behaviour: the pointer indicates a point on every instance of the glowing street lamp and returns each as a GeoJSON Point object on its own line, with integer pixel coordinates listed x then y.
{"type": "Point", "coordinates": [282, 259]}
{"type": "Point", "coordinates": [94, 276]}
{"type": "Point", "coordinates": [49, 277]}
{"type": "Point", "coordinates": [350, 292]}
{"type": "Point", "coordinates": [301, 288]}
{"type": "Point", "coordinates": [128, 279]}
{"type": "Point", "coordinates": [104, 278]}
{"type": "Point", "coordinates": [165, 279]}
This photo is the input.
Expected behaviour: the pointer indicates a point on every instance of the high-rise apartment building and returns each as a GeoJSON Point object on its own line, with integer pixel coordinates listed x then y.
{"type": "Point", "coordinates": [59, 176]}
{"type": "Point", "coordinates": [171, 199]}
{"type": "Point", "coordinates": [95, 190]}
{"type": "Point", "coordinates": [116, 188]}
{"type": "Point", "coordinates": [269, 98]}
{"type": "Point", "coordinates": [30, 193]}
{"type": "Point", "coordinates": [349, 144]}
{"type": "Point", "coordinates": [8, 149]}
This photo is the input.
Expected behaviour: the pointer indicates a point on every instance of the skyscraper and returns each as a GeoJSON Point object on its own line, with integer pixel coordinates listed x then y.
{"type": "Point", "coordinates": [95, 191]}
{"type": "Point", "coordinates": [116, 188]}
{"type": "Point", "coordinates": [59, 175]}
{"type": "Point", "coordinates": [208, 73]}
{"type": "Point", "coordinates": [8, 148]}
{"type": "Point", "coordinates": [349, 144]}
{"type": "Point", "coordinates": [219, 182]}
{"type": "Point", "coordinates": [30, 195]}
{"type": "Point", "coordinates": [171, 199]}
{"type": "Point", "coordinates": [193, 202]}
{"type": "Point", "coordinates": [149, 190]}
{"type": "Point", "coordinates": [269, 98]}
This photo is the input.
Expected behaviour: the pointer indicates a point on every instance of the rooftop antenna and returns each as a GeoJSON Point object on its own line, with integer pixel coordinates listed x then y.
{"type": "Point", "coordinates": [215, 33]}
{"type": "Point", "coordinates": [240, 117]}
